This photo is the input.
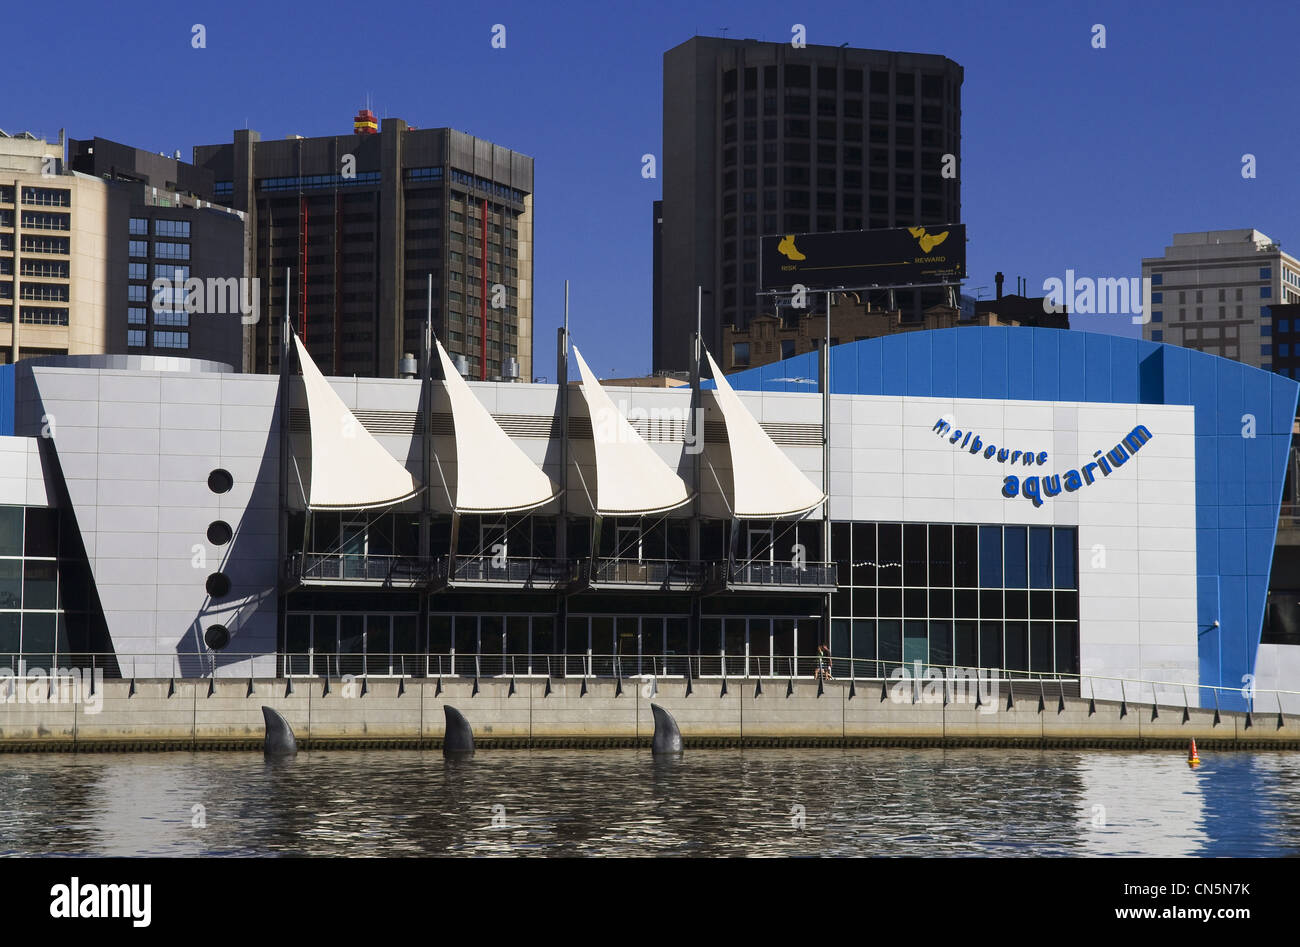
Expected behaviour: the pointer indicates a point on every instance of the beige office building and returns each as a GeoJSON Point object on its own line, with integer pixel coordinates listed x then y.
{"type": "Point", "coordinates": [58, 269]}
{"type": "Point", "coordinates": [1211, 291]}
{"type": "Point", "coordinates": [80, 250]}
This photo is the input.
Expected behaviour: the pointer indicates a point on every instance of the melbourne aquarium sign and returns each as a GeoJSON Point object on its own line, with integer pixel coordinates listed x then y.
{"type": "Point", "coordinates": [1039, 487]}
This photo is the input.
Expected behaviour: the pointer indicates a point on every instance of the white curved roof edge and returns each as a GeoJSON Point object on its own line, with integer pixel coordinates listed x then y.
{"type": "Point", "coordinates": [350, 470]}
{"type": "Point", "coordinates": [631, 479]}
{"type": "Point", "coordinates": [766, 484]}
{"type": "Point", "coordinates": [493, 475]}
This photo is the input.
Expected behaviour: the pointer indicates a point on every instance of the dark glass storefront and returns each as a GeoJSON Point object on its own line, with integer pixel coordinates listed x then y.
{"type": "Point", "coordinates": [945, 595]}
{"type": "Point", "coordinates": [955, 595]}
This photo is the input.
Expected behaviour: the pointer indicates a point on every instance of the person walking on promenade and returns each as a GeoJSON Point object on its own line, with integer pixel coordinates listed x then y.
{"type": "Point", "coordinates": [823, 663]}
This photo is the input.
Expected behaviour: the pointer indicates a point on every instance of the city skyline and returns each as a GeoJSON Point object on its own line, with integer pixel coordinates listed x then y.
{"type": "Point", "coordinates": [1073, 152]}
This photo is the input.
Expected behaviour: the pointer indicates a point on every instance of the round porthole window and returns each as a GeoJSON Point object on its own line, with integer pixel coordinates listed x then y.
{"type": "Point", "coordinates": [219, 532]}
{"type": "Point", "coordinates": [218, 584]}
{"type": "Point", "coordinates": [217, 637]}
{"type": "Point", "coordinates": [220, 481]}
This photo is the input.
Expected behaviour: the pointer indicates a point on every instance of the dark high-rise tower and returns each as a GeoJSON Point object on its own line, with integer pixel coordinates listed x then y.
{"type": "Point", "coordinates": [362, 220]}
{"type": "Point", "coordinates": [764, 138]}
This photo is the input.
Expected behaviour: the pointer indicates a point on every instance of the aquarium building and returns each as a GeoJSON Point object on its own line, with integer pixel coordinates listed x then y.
{"type": "Point", "coordinates": [1069, 507]}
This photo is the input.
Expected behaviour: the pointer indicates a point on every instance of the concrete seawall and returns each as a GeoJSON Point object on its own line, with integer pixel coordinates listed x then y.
{"type": "Point", "coordinates": [226, 714]}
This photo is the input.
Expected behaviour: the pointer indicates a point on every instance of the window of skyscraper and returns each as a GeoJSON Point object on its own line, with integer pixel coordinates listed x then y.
{"type": "Point", "coordinates": [171, 228]}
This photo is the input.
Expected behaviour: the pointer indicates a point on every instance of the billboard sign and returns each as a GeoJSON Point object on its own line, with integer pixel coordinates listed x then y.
{"type": "Point", "coordinates": [861, 259]}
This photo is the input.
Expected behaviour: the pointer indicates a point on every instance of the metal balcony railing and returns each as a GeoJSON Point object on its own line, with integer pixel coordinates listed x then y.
{"type": "Point", "coordinates": [322, 568]}
{"type": "Point", "coordinates": [780, 576]}
{"type": "Point", "coordinates": [504, 572]}
{"type": "Point", "coordinates": [667, 574]}
{"type": "Point", "coordinates": [908, 681]}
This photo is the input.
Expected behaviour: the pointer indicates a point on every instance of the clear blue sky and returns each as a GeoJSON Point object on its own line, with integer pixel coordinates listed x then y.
{"type": "Point", "coordinates": [1072, 156]}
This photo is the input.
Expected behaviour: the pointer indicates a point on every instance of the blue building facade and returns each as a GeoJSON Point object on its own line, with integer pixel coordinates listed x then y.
{"type": "Point", "coordinates": [1243, 424]}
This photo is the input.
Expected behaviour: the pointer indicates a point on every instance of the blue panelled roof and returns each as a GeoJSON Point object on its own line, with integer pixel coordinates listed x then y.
{"type": "Point", "coordinates": [1239, 477]}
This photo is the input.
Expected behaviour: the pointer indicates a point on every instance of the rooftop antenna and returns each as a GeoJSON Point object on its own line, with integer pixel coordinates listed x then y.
{"type": "Point", "coordinates": [723, 30]}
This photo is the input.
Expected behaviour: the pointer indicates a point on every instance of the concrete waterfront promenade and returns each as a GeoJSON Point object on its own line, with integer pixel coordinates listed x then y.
{"type": "Point", "coordinates": [225, 714]}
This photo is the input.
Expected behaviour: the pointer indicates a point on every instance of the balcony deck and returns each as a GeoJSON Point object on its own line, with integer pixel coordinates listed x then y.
{"type": "Point", "coordinates": [494, 572]}
{"type": "Point", "coordinates": [812, 577]}
{"type": "Point", "coordinates": [497, 572]}
{"type": "Point", "coordinates": [318, 569]}
{"type": "Point", "coordinates": [642, 575]}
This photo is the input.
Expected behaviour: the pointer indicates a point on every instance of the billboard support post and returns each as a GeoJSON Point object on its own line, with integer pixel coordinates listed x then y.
{"type": "Point", "coordinates": [826, 439]}
{"type": "Point", "coordinates": [825, 373]}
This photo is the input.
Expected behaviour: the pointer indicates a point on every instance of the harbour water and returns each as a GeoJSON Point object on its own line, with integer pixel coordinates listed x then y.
{"type": "Point", "coordinates": [909, 802]}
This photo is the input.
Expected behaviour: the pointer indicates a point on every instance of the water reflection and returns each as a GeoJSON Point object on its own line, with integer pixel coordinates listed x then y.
{"type": "Point", "coordinates": [707, 802]}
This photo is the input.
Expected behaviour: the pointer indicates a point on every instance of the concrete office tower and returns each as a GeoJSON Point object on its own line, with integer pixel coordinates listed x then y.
{"type": "Point", "coordinates": [172, 231]}
{"type": "Point", "coordinates": [362, 220]}
{"type": "Point", "coordinates": [1211, 291]}
{"type": "Point", "coordinates": [763, 138]}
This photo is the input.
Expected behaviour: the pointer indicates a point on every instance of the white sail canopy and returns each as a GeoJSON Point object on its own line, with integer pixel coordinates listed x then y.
{"type": "Point", "coordinates": [350, 470]}
{"type": "Point", "coordinates": [766, 483]}
{"type": "Point", "coordinates": [631, 479]}
{"type": "Point", "coordinates": [492, 474]}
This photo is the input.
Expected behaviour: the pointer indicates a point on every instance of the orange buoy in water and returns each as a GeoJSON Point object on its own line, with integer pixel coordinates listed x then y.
{"type": "Point", "coordinates": [1192, 758]}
